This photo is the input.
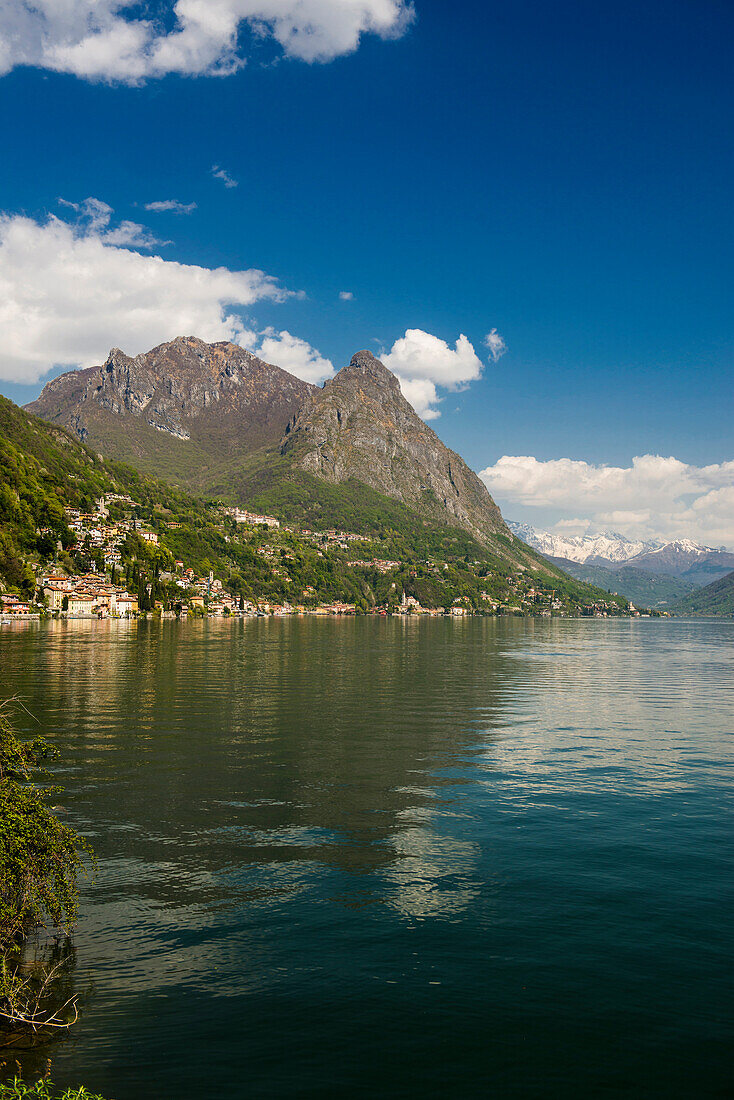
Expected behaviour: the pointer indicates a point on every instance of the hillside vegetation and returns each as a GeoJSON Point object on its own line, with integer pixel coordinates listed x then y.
{"type": "Point", "coordinates": [715, 600]}
{"type": "Point", "coordinates": [44, 471]}
{"type": "Point", "coordinates": [640, 587]}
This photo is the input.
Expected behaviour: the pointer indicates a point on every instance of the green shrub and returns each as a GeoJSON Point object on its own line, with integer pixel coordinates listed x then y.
{"type": "Point", "coordinates": [40, 856]}
{"type": "Point", "coordinates": [17, 1089]}
{"type": "Point", "coordinates": [40, 860]}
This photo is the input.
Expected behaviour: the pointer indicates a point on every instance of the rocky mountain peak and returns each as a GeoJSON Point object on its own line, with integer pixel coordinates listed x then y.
{"type": "Point", "coordinates": [365, 367]}
{"type": "Point", "coordinates": [361, 427]}
{"type": "Point", "coordinates": [191, 411]}
{"type": "Point", "coordinates": [219, 394]}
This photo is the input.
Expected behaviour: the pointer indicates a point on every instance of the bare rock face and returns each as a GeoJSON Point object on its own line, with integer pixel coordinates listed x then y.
{"type": "Point", "coordinates": [215, 393]}
{"type": "Point", "coordinates": [360, 426]}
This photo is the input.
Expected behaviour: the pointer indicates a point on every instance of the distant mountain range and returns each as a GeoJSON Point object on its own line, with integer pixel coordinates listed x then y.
{"type": "Point", "coordinates": [653, 573]}
{"type": "Point", "coordinates": [604, 549]}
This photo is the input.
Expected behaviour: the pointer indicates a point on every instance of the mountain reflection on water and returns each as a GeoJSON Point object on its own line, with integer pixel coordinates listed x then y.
{"type": "Point", "coordinates": [402, 857]}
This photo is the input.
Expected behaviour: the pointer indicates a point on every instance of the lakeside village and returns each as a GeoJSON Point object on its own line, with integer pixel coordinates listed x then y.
{"type": "Point", "coordinates": [115, 586]}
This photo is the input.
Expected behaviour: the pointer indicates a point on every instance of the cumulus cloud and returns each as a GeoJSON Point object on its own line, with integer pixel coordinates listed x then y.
{"type": "Point", "coordinates": [294, 355]}
{"type": "Point", "coordinates": [346, 295]}
{"type": "Point", "coordinates": [422, 395]}
{"type": "Point", "coordinates": [424, 362]}
{"type": "Point", "coordinates": [118, 40]}
{"type": "Point", "coordinates": [223, 175]}
{"type": "Point", "coordinates": [69, 292]}
{"type": "Point", "coordinates": [654, 497]}
{"type": "Point", "coordinates": [172, 206]}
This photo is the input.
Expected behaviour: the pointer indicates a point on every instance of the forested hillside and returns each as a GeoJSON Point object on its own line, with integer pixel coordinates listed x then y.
{"type": "Point", "coordinates": [640, 587]}
{"type": "Point", "coordinates": [715, 600]}
{"type": "Point", "coordinates": [42, 471]}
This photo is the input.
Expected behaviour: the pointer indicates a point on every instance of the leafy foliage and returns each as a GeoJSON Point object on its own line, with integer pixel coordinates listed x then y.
{"type": "Point", "coordinates": [40, 857]}
{"type": "Point", "coordinates": [42, 471]}
{"type": "Point", "coordinates": [43, 1089]}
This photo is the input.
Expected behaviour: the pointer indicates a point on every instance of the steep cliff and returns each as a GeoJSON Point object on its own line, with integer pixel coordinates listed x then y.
{"type": "Point", "coordinates": [359, 426]}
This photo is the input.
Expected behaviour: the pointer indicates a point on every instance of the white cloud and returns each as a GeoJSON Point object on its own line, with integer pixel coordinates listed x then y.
{"type": "Point", "coordinates": [422, 395]}
{"type": "Point", "coordinates": [654, 497]}
{"type": "Point", "coordinates": [223, 175]}
{"type": "Point", "coordinates": [294, 355]}
{"type": "Point", "coordinates": [418, 354]}
{"type": "Point", "coordinates": [496, 345]}
{"type": "Point", "coordinates": [96, 213]}
{"type": "Point", "coordinates": [424, 362]}
{"type": "Point", "coordinates": [111, 40]}
{"type": "Point", "coordinates": [170, 205]}
{"type": "Point", "coordinates": [94, 216]}
{"type": "Point", "coordinates": [346, 295]}
{"type": "Point", "coordinates": [70, 292]}
{"type": "Point", "coordinates": [575, 526]}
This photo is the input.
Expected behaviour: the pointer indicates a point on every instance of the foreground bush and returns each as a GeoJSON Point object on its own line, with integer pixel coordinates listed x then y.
{"type": "Point", "coordinates": [17, 1089]}
{"type": "Point", "coordinates": [39, 856]}
{"type": "Point", "coordinates": [40, 860]}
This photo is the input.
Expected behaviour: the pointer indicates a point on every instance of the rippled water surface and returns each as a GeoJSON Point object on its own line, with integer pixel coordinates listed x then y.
{"type": "Point", "coordinates": [395, 858]}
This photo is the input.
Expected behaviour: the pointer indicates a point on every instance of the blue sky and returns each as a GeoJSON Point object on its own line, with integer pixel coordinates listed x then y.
{"type": "Point", "coordinates": [559, 172]}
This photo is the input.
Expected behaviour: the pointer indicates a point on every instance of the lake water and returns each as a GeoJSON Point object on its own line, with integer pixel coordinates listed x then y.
{"type": "Point", "coordinates": [395, 858]}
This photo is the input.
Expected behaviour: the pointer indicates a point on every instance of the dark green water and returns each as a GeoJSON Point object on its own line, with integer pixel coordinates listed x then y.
{"type": "Point", "coordinates": [399, 858]}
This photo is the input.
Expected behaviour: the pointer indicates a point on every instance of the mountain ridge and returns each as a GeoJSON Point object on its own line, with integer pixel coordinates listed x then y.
{"type": "Point", "coordinates": [715, 600]}
{"type": "Point", "coordinates": [683, 559]}
{"type": "Point", "coordinates": [49, 479]}
{"type": "Point", "coordinates": [641, 587]}
{"type": "Point", "coordinates": [183, 408]}
{"type": "Point", "coordinates": [215, 419]}
{"type": "Point", "coordinates": [608, 548]}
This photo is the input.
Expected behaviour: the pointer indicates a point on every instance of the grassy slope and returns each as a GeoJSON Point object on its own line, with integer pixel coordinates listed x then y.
{"type": "Point", "coordinates": [184, 463]}
{"type": "Point", "coordinates": [716, 599]}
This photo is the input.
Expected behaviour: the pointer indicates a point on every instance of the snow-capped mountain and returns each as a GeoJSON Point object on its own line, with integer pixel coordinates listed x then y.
{"type": "Point", "coordinates": [606, 548]}
{"type": "Point", "coordinates": [681, 558]}
{"type": "Point", "coordinates": [684, 558]}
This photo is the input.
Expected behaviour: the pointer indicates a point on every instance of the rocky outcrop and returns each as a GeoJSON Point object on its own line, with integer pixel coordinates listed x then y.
{"type": "Point", "coordinates": [185, 388]}
{"type": "Point", "coordinates": [360, 426]}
